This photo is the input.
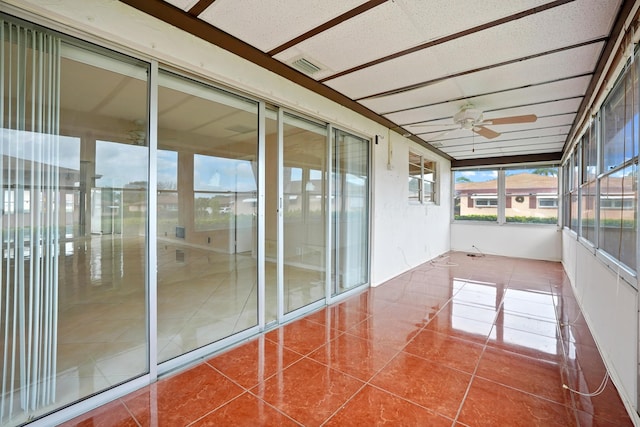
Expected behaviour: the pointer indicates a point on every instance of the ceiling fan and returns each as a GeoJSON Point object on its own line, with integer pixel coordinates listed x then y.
{"type": "Point", "coordinates": [472, 119]}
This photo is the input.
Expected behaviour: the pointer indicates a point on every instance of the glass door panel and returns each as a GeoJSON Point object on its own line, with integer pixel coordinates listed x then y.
{"type": "Point", "coordinates": [350, 205]}
{"type": "Point", "coordinates": [74, 197]}
{"type": "Point", "coordinates": [304, 212]}
{"type": "Point", "coordinates": [207, 210]}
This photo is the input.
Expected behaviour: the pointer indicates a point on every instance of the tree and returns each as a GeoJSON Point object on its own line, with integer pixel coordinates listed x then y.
{"type": "Point", "coordinates": [546, 171]}
{"type": "Point", "coordinates": [462, 178]}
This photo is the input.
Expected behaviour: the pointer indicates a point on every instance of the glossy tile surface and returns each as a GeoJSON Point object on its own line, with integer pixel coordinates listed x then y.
{"type": "Point", "coordinates": [460, 341]}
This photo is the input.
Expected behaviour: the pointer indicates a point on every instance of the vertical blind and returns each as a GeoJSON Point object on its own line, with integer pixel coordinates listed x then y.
{"type": "Point", "coordinates": [29, 125]}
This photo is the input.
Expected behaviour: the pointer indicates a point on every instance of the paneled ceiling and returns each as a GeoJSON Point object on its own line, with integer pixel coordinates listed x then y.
{"type": "Point", "coordinates": [412, 65]}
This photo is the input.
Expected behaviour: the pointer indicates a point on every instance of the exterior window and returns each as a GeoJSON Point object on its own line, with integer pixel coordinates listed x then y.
{"type": "Point", "coordinates": [475, 195]}
{"type": "Point", "coordinates": [617, 222]}
{"type": "Point", "coordinates": [422, 179]}
{"type": "Point", "coordinates": [548, 202]}
{"type": "Point", "coordinates": [486, 203]}
{"type": "Point", "coordinates": [531, 195]}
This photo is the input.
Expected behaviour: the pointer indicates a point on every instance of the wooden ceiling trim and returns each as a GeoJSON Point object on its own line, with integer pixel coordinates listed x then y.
{"type": "Point", "coordinates": [476, 70]}
{"type": "Point", "coordinates": [327, 25]}
{"type": "Point", "coordinates": [200, 7]}
{"type": "Point", "coordinates": [504, 160]}
{"type": "Point", "coordinates": [450, 37]}
{"type": "Point", "coordinates": [180, 19]}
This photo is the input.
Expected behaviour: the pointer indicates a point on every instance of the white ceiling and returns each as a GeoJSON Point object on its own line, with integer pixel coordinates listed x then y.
{"type": "Point", "coordinates": [414, 63]}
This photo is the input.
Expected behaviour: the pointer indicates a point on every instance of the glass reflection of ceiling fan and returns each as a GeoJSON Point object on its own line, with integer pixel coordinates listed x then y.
{"type": "Point", "coordinates": [471, 119]}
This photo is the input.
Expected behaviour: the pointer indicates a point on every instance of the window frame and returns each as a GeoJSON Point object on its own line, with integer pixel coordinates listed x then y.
{"type": "Point", "coordinates": [427, 166]}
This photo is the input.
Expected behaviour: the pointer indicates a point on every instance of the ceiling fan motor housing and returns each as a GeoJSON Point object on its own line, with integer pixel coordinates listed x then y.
{"type": "Point", "coordinates": [468, 117]}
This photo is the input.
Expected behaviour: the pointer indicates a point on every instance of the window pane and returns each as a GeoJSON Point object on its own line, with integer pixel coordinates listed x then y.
{"type": "Point", "coordinates": [532, 195]}
{"type": "Point", "coordinates": [207, 268]}
{"type": "Point", "coordinates": [588, 211]}
{"type": "Point", "coordinates": [350, 211]}
{"type": "Point", "coordinates": [618, 222]}
{"type": "Point", "coordinates": [476, 195]}
{"type": "Point", "coordinates": [617, 125]}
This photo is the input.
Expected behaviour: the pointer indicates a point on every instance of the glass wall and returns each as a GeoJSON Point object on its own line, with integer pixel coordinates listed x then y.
{"type": "Point", "coordinates": [350, 211]}
{"type": "Point", "coordinates": [604, 163]}
{"type": "Point", "coordinates": [75, 314]}
{"type": "Point", "coordinates": [207, 205]}
{"type": "Point", "coordinates": [74, 200]}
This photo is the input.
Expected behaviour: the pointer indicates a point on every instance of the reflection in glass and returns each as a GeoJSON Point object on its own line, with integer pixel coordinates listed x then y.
{"type": "Point", "coordinates": [350, 211]}
{"type": "Point", "coordinates": [304, 212]}
{"type": "Point", "coordinates": [207, 192]}
{"type": "Point", "coordinates": [74, 198]}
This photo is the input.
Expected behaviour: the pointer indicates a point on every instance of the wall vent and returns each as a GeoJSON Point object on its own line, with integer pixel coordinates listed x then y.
{"type": "Point", "coordinates": [305, 66]}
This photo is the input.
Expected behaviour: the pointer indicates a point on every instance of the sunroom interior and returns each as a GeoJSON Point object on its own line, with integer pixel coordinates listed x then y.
{"type": "Point", "coordinates": [221, 170]}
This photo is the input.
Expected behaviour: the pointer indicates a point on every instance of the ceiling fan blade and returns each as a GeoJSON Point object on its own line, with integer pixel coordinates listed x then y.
{"type": "Point", "coordinates": [527, 118]}
{"type": "Point", "coordinates": [486, 132]}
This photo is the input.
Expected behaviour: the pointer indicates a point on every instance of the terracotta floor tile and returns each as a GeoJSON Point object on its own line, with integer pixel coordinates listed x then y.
{"type": "Point", "coordinates": [308, 391]}
{"type": "Point", "coordinates": [526, 343]}
{"type": "Point", "coordinates": [374, 407]}
{"type": "Point", "coordinates": [491, 404]}
{"type": "Point", "coordinates": [390, 332]}
{"type": "Point", "coordinates": [532, 325]}
{"type": "Point", "coordinates": [182, 398]}
{"type": "Point", "coordinates": [341, 316]}
{"type": "Point", "coordinates": [605, 406]}
{"type": "Point", "coordinates": [446, 350]}
{"type": "Point", "coordinates": [254, 361]}
{"type": "Point", "coordinates": [110, 415]}
{"type": "Point", "coordinates": [246, 410]}
{"type": "Point", "coordinates": [534, 376]}
{"type": "Point", "coordinates": [587, 419]}
{"type": "Point", "coordinates": [354, 356]}
{"type": "Point", "coordinates": [460, 327]}
{"type": "Point", "coordinates": [467, 310]}
{"type": "Point", "coordinates": [424, 382]}
{"type": "Point", "coordinates": [303, 336]}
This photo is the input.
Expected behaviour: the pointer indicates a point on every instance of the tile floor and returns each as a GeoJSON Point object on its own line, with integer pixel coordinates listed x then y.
{"type": "Point", "coordinates": [459, 341]}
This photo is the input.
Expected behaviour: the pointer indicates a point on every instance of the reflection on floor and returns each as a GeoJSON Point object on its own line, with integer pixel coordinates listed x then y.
{"type": "Point", "coordinates": [203, 296]}
{"type": "Point", "coordinates": [460, 341]}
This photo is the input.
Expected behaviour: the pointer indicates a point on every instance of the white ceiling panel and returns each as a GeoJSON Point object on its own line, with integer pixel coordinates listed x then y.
{"type": "Point", "coordinates": [369, 35]}
{"type": "Point", "coordinates": [541, 69]}
{"type": "Point", "coordinates": [389, 75]}
{"type": "Point", "coordinates": [549, 92]}
{"type": "Point", "coordinates": [568, 45]}
{"type": "Point", "coordinates": [565, 25]}
{"type": "Point", "coordinates": [183, 4]}
{"type": "Point", "coordinates": [534, 34]}
{"type": "Point", "coordinates": [269, 24]}
{"type": "Point", "coordinates": [359, 40]}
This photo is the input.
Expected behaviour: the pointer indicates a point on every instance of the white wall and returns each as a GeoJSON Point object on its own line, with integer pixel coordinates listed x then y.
{"type": "Point", "coordinates": [516, 240]}
{"type": "Point", "coordinates": [404, 235]}
{"type": "Point", "coordinates": [610, 307]}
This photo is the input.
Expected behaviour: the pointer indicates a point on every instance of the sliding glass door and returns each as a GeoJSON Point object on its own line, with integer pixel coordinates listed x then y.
{"type": "Point", "coordinates": [207, 205]}
{"type": "Point", "coordinates": [350, 211]}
